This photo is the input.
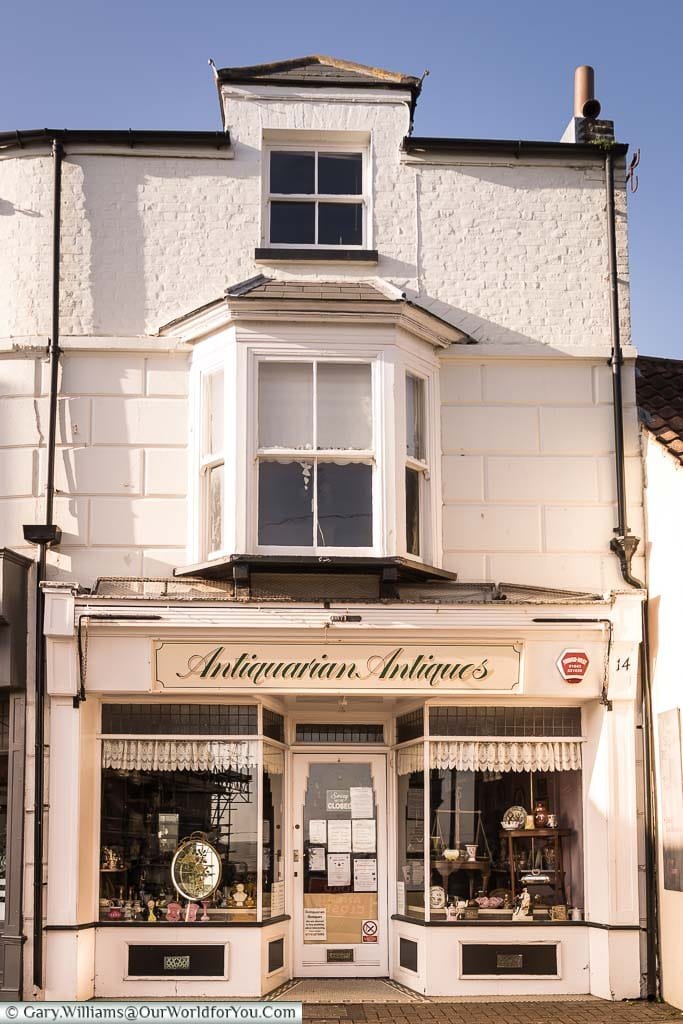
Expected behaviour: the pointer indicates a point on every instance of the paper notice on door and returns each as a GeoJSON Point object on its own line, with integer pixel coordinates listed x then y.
{"type": "Point", "coordinates": [277, 899]}
{"type": "Point", "coordinates": [364, 835]}
{"type": "Point", "coordinates": [400, 897]}
{"type": "Point", "coordinates": [337, 800]}
{"type": "Point", "coordinates": [315, 924]}
{"type": "Point", "coordinates": [317, 831]}
{"type": "Point", "coordinates": [361, 802]}
{"type": "Point", "coordinates": [365, 875]}
{"type": "Point", "coordinates": [316, 858]}
{"type": "Point", "coordinates": [338, 869]}
{"type": "Point", "coordinates": [339, 836]}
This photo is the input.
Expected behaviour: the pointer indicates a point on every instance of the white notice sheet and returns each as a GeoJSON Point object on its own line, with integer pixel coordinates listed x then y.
{"type": "Point", "coordinates": [339, 837]}
{"type": "Point", "coordinates": [361, 802]}
{"type": "Point", "coordinates": [364, 836]}
{"type": "Point", "coordinates": [338, 869]}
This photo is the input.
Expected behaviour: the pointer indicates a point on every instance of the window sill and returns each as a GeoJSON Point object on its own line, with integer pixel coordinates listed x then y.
{"type": "Point", "coordinates": [278, 255]}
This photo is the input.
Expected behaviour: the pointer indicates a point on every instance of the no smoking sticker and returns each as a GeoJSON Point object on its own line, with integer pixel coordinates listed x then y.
{"type": "Point", "coordinates": [369, 931]}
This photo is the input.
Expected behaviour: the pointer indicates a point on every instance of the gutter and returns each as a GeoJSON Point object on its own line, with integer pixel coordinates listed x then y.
{"type": "Point", "coordinates": [623, 544]}
{"type": "Point", "coordinates": [130, 138]}
{"type": "Point", "coordinates": [508, 147]}
{"type": "Point", "coordinates": [45, 535]}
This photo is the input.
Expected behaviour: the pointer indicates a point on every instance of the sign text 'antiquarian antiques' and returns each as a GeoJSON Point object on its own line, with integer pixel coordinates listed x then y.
{"type": "Point", "coordinates": [359, 665]}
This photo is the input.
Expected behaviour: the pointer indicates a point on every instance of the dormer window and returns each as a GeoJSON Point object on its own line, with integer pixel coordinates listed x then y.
{"type": "Point", "coordinates": [315, 455]}
{"type": "Point", "coordinates": [316, 197]}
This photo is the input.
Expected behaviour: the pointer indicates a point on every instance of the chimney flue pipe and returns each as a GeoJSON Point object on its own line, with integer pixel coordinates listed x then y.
{"type": "Point", "coordinates": [585, 103]}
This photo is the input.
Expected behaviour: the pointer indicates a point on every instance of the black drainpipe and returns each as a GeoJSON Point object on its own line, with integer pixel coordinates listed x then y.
{"type": "Point", "coordinates": [624, 545]}
{"type": "Point", "coordinates": [45, 535]}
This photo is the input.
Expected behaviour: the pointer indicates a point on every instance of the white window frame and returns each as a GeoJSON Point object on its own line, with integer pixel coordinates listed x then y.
{"type": "Point", "coordinates": [316, 147]}
{"type": "Point", "coordinates": [371, 456]}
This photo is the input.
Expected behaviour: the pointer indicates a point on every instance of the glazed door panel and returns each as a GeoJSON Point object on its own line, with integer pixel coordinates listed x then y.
{"type": "Point", "coordinates": [340, 867]}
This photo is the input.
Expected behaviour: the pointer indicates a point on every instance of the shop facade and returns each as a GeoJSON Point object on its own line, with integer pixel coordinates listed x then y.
{"type": "Point", "coordinates": [357, 776]}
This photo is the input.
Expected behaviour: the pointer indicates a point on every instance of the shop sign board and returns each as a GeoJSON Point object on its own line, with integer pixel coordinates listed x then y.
{"type": "Point", "coordinates": [573, 665]}
{"type": "Point", "coordinates": [359, 665]}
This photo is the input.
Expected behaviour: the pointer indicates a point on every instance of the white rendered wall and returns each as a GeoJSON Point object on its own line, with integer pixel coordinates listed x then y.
{"type": "Point", "coordinates": [664, 506]}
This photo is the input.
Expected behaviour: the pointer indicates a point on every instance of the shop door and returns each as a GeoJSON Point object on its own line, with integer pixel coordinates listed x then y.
{"type": "Point", "coordinates": [340, 866]}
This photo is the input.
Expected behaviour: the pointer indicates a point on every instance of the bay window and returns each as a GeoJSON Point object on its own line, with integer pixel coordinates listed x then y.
{"type": "Point", "coordinates": [315, 455]}
{"type": "Point", "coordinates": [416, 468]}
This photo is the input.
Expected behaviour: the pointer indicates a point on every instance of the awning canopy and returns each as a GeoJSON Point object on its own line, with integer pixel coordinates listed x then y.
{"type": "Point", "coordinates": [495, 755]}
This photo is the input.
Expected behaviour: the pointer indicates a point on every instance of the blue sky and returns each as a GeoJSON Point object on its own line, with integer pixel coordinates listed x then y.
{"type": "Point", "coordinates": [497, 70]}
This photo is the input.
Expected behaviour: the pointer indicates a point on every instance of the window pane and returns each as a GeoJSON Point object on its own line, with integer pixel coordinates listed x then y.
{"type": "Point", "coordinates": [285, 504]}
{"type": "Point", "coordinates": [285, 411]}
{"type": "Point", "coordinates": [344, 505]}
{"type": "Point", "coordinates": [215, 509]}
{"type": "Point", "coordinates": [292, 222]}
{"type": "Point", "coordinates": [340, 224]}
{"type": "Point", "coordinates": [340, 174]}
{"type": "Point", "coordinates": [292, 173]}
{"type": "Point", "coordinates": [415, 446]}
{"type": "Point", "coordinates": [213, 414]}
{"type": "Point", "coordinates": [344, 406]}
{"type": "Point", "coordinates": [412, 512]}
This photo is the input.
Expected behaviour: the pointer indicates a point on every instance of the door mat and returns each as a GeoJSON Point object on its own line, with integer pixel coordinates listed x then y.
{"type": "Point", "coordinates": [345, 991]}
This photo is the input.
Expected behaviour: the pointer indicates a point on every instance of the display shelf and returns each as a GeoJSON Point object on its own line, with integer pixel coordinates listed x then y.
{"type": "Point", "coordinates": [510, 837]}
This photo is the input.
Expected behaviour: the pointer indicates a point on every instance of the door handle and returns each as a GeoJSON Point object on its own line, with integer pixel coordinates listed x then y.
{"type": "Point", "coordinates": [296, 856]}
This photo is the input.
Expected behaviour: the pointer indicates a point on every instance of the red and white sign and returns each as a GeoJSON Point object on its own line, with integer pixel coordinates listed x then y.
{"type": "Point", "coordinates": [370, 931]}
{"type": "Point", "coordinates": [573, 665]}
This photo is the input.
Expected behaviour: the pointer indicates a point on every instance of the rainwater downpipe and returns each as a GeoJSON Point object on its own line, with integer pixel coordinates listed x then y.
{"type": "Point", "coordinates": [45, 535]}
{"type": "Point", "coordinates": [624, 545]}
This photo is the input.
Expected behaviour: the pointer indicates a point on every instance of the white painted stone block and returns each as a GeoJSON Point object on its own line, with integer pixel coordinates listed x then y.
{"type": "Point", "coordinates": [162, 561]}
{"type": "Point", "coordinates": [140, 421]}
{"type": "Point", "coordinates": [166, 471]}
{"type": "Point", "coordinates": [19, 376]}
{"type": "Point", "coordinates": [607, 487]}
{"type": "Point", "coordinates": [557, 383]}
{"type": "Point", "coordinates": [24, 421]}
{"type": "Point", "coordinates": [98, 470]}
{"type": "Point", "coordinates": [579, 529]}
{"type": "Point", "coordinates": [470, 568]}
{"type": "Point", "coordinates": [603, 383]}
{"type": "Point", "coordinates": [95, 374]}
{"type": "Point", "coordinates": [84, 565]}
{"type": "Point", "coordinates": [489, 428]}
{"type": "Point", "coordinates": [569, 571]}
{"type": "Point", "coordinates": [72, 515]}
{"type": "Point", "coordinates": [16, 472]}
{"type": "Point", "coordinates": [138, 521]}
{"type": "Point", "coordinates": [540, 478]}
{"type": "Point", "coordinates": [167, 375]}
{"type": "Point", "coordinates": [588, 430]}
{"type": "Point", "coordinates": [463, 477]}
{"type": "Point", "coordinates": [460, 382]}
{"type": "Point", "coordinates": [491, 528]}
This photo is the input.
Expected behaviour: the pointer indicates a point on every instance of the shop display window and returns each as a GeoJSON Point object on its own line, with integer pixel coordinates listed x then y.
{"type": "Point", "coordinates": [504, 816]}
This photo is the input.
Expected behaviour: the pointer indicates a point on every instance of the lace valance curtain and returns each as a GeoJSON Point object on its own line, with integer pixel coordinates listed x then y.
{"type": "Point", "coordinates": [180, 755]}
{"type": "Point", "coordinates": [494, 755]}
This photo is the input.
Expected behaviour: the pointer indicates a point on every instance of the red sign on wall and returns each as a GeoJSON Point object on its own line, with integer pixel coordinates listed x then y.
{"type": "Point", "coordinates": [573, 665]}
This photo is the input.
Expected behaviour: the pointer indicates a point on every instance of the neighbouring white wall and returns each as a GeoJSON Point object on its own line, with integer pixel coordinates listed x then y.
{"type": "Point", "coordinates": [664, 511]}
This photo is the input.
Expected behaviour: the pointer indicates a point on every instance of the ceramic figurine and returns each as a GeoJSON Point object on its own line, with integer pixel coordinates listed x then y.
{"type": "Point", "coordinates": [173, 911]}
{"type": "Point", "coordinates": [239, 896]}
{"type": "Point", "coordinates": [523, 908]}
{"type": "Point", "coordinates": [150, 906]}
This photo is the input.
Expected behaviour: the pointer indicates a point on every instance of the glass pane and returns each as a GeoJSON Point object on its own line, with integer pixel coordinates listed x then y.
{"type": "Point", "coordinates": [285, 410]}
{"type": "Point", "coordinates": [340, 224]}
{"type": "Point", "coordinates": [215, 509]}
{"type": "Point", "coordinates": [285, 504]}
{"type": "Point", "coordinates": [344, 406]}
{"type": "Point", "coordinates": [340, 174]}
{"type": "Point", "coordinates": [273, 834]}
{"type": "Point", "coordinates": [415, 446]}
{"type": "Point", "coordinates": [145, 817]}
{"type": "Point", "coordinates": [411, 830]}
{"type": "Point", "coordinates": [340, 849]}
{"type": "Point", "coordinates": [412, 512]}
{"type": "Point", "coordinates": [214, 419]}
{"type": "Point", "coordinates": [344, 505]}
{"type": "Point", "coordinates": [292, 173]}
{"type": "Point", "coordinates": [292, 223]}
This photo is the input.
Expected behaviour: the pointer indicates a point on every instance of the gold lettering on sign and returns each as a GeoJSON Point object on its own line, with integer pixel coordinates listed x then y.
{"type": "Point", "coordinates": [360, 665]}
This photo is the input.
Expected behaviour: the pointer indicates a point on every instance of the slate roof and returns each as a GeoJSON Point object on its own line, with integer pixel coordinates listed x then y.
{"type": "Point", "coordinates": [262, 287]}
{"type": "Point", "coordinates": [659, 393]}
{"type": "Point", "coordinates": [318, 69]}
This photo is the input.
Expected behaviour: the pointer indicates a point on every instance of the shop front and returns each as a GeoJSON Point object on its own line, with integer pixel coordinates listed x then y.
{"type": "Point", "coordinates": [242, 794]}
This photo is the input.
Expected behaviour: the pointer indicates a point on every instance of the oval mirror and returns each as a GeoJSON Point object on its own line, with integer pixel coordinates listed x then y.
{"type": "Point", "coordinates": [196, 869]}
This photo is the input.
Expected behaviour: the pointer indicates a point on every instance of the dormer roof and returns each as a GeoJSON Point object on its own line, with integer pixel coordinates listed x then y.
{"type": "Point", "coordinates": [319, 70]}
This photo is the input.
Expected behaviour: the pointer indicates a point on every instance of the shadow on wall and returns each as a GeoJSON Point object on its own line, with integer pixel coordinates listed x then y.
{"type": "Point", "coordinates": [164, 231]}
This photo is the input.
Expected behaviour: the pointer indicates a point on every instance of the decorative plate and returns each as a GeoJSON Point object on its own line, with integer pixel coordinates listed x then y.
{"type": "Point", "coordinates": [437, 897]}
{"type": "Point", "coordinates": [514, 818]}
